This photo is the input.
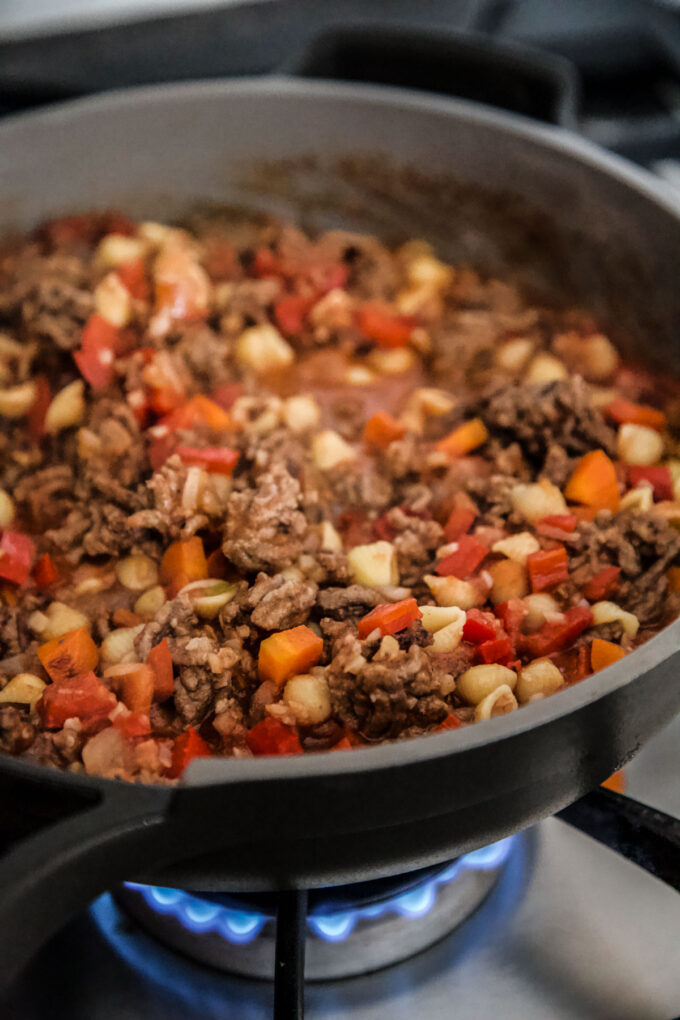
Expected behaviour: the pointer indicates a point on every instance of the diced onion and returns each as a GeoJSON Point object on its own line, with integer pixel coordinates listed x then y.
{"type": "Point", "coordinates": [308, 697]}
{"type": "Point", "coordinates": [609, 612]}
{"type": "Point", "coordinates": [23, 689]}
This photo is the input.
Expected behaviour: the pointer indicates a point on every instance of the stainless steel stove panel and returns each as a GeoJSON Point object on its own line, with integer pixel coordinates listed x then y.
{"type": "Point", "coordinates": [572, 932]}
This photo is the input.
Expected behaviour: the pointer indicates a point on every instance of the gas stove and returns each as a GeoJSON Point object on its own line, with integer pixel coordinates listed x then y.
{"type": "Point", "coordinates": [547, 924]}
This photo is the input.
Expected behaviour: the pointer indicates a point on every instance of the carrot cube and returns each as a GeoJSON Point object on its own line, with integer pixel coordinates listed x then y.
{"type": "Point", "coordinates": [182, 563]}
{"type": "Point", "coordinates": [382, 429]}
{"type": "Point", "coordinates": [69, 655]}
{"type": "Point", "coordinates": [464, 439]}
{"type": "Point", "coordinates": [594, 482]}
{"type": "Point", "coordinates": [604, 653]}
{"type": "Point", "coordinates": [288, 652]}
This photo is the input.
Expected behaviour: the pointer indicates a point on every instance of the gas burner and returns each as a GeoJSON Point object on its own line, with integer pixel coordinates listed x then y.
{"type": "Point", "coordinates": [351, 930]}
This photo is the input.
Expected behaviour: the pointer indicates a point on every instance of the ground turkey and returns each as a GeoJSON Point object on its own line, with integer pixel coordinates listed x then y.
{"type": "Point", "coordinates": [264, 527]}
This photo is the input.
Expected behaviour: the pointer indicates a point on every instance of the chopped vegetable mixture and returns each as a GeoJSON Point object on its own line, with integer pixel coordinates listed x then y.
{"type": "Point", "coordinates": [270, 494]}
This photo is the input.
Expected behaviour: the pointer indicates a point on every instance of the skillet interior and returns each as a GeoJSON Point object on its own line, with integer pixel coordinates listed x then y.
{"type": "Point", "coordinates": [507, 196]}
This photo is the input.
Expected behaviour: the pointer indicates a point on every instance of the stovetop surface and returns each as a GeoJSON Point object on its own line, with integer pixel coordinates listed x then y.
{"type": "Point", "coordinates": [572, 932]}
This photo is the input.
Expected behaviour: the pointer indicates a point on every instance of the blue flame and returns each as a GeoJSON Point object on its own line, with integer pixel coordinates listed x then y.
{"type": "Point", "coordinates": [241, 927]}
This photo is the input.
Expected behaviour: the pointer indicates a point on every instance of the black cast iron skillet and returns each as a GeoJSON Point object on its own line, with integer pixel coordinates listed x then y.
{"type": "Point", "coordinates": [507, 194]}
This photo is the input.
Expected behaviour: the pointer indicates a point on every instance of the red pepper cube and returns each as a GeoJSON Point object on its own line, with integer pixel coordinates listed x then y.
{"type": "Point", "coordinates": [557, 634]}
{"type": "Point", "coordinates": [290, 313]}
{"type": "Point", "coordinates": [216, 460]}
{"type": "Point", "coordinates": [464, 560]}
{"type": "Point", "coordinates": [459, 523]}
{"type": "Point", "coordinates": [498, 650]}
{"type": "Point", "coordinates": [452, 722]}
{"type": "Point", "coordinates": [511, 614]}
{"type": "Point", "coordinates": [272, 737]}
{"type": "Point", "coordinates": [16, 555]}
{"type": "Point", "coordinates": [389, 618]}
{"type": "Point", "coordinates": [189, 745]}
{"type": "Point", "coordinates": [479, 627]}
{"type": "Point", "coordinates": [44, 572]}
{"type": "Point", "coordinates": [658, 477]}
{"type": "Point", "coordinates": [82, 697]}
{"type": "Point", "coordinates": [548, 568]}
{"type": "Point", "coordinates": [602, 584]}
{"type": "Point", "coordinates": [377, 322]}
{"type": "Point", "coordinates": [97, 352]}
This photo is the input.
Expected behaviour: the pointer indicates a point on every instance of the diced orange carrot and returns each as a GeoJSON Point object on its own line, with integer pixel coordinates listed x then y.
{"type": "Point", "coordinates": [604, 653]}
{"type": "Point", "coordinates": [289, 652]}
{"type": "Point", "coordinates": [136, 686]}
{"type": "Point", "coordinates": [594, 482]}
{"type": "Point", "coordinates": [69, 655]}
{"type": "Point", "coordinates": [464, 439]}
{"type": "Point", "coordinates": [616, 782]}
{"type": "Point", "coordinates": [382, 429]}
{"type": "Point", "coordinates": [625, 411]}
{"type": "Point", "coordinates": [182, 563]}
{"type": "Point", "coordinates": [198, 410]}
{"type": "Point", "coordinates": [160, 661]}
{"type": "Point", "coordinates": [673, 577]}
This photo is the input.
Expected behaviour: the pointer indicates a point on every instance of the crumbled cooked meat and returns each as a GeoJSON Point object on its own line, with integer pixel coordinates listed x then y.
{"type": "Point", "coordinates": [264, 526]}
{"type": "Point", "coordinates": [352, 601]}
{"type": "Point", "coordinates": [643, 545]}
{"type": "Point", "coordinates": [278, 603]}
{"type": "Point", "coordinates": [191, 461]}
{"type": "Point", "coordinates": [379, 698]}
{"type": "Point", "coordinates": [538, 417]}
{"type": "Point", "coordinates": [17, 732]}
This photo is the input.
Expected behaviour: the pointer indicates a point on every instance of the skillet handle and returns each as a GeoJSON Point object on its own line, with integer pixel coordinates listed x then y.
{"type": "Point", "coordinates": [534, 83]}
{"type": "Point", "coordinates": [638, 832]}
{"type": "Point", "coordinates": [47, 877]}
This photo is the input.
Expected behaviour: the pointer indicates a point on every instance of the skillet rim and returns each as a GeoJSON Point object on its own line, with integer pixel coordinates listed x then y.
{"type": "Point", "coordinates": [211, 772]}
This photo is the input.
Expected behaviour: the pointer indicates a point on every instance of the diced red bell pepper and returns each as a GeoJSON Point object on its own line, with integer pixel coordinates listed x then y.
{"type": "Point", "coordinates": [556, 525]}
{"type": "Point", "coordinates": [602, 584]}
{"type": "Point", "coordinates": [84, 697]}
{"type": "Point", "coordinates": [511, 614]}
{"type": "Point", "coordinates": [479, 627]}
{"type": "Point", "coordinates": [133, 277]}
{"type": "Point", "coordinates": [266, 263]}
{"type": "Point", "coordinates": [377, 322]}
{"type": "Point", "coordinates": [85, 228]}
{"type": "Point", "coordinates": [44, 572]}
{"type": "Point", "coordinates": [38, 411]}
{"type": "Point", "coordinates": [658, 477]}
{"type": "Point", "coordinates": [383, 529]}
{"type": "Point", "coordinates": [548, 568]}
{"type": "Point", "coordinates": [465, 560]}
{"type": "Point", "coordinates": [290, 313]}
{"type": "Point", "coordinates": [226, 395]}
{"type": "Point", "coordinates": [624, 411]}
{"type": "Point", "coordinates": [217, 460]}
{"type": "Point", "coordinates": [574, 663]}
{"type": "Point", "coordinates": [160, 660]}
{"type": "Point", "coordinates": [160, 446]}
{"type": "Point", "coordinates": [133, 725]}
{"type": "Point", "coordinates": [452, 722]}
{"type": "Point", "coordinates": [187, 746]}
{"type": "Point", "coordinates": [459, 523]}
{"type": "Point", "coordinates": [556, 634]}
{"type": "Point", "coordinates": [97, 352]}
{"type": "Point", "coordinates": [272, 737]}
{"type": "Point", "coordinates": [16, 555]}
{"type": "Point", "coordinates": [498, 650]}
{"type": "Point", "coordinates": [389, 618]}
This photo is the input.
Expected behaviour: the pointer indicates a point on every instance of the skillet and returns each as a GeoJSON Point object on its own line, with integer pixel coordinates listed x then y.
{"type": "Point", "coordinates": [505, 193]}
